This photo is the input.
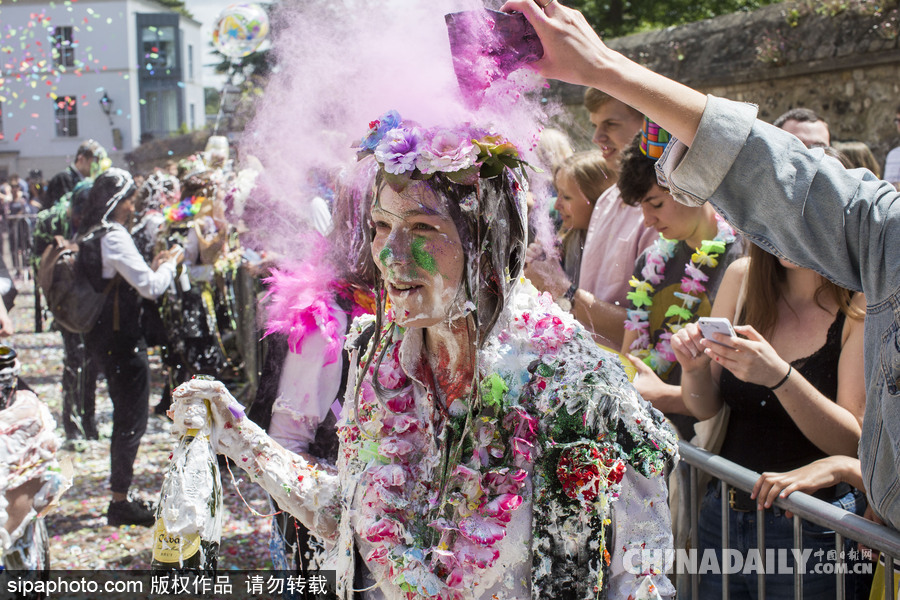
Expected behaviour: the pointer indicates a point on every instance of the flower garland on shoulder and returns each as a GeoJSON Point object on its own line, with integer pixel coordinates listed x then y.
{"type": "Point", "coordinates": [433, 533]}
{"type": "Point", "coordinates": [660, 356]}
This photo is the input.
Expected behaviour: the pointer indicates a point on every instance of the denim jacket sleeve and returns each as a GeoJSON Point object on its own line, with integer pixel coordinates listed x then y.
{"type": "Point", "coordinates": [803, 205]}
{"type": "Point", "coordinates": [794, 202]}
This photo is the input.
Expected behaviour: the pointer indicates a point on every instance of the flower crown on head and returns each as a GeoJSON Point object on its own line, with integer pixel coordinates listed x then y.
{"type": "Point", "coordinates": [406, 151]}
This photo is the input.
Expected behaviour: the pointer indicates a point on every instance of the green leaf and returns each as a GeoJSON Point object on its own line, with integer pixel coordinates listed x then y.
{"type": "Point", "coordinates": [545, 370]}
{"type": "Point", "coordinates": [494, 387]}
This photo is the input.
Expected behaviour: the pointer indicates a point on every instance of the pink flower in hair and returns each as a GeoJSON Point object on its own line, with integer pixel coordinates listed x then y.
{"type": "Point", "coordinates": [399, 150]}
{"type": "Point", "coordinates": [447, 151]}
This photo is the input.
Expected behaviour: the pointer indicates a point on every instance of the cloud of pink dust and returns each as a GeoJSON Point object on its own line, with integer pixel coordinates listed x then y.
{"type": "Point", "coordinates": [343, 63]}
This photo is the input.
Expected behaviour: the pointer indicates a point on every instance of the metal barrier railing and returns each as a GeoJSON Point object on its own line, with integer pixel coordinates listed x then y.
{"type": "Point", "coordinates": [846, 525]}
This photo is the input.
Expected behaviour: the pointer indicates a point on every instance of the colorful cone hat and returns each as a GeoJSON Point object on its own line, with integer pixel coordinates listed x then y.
{"type": "Point", "coordinates": [653, 139]}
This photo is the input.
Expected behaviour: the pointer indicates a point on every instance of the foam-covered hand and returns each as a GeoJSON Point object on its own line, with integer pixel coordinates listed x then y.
{"type": "Point", "coordinates": [208, 406]}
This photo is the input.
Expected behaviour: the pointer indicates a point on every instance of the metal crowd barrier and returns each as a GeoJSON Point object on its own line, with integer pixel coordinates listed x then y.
{"type": "Point", "coordinates": [846, 525]}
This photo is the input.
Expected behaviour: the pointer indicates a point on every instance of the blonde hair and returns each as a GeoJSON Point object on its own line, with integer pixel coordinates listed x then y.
{"type": "Point", "coordinates": [553, 148]}
{"type": "Point", "coordinates": [590, 172]}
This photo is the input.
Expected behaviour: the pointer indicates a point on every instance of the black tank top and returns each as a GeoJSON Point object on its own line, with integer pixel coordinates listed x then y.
{"type": "Point", "coordinates": [761, 435]}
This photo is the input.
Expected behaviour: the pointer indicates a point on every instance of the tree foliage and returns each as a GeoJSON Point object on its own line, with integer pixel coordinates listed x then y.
{"type": "Point", "coordinates": [613, 18]}
{"type": "Point", "coordinates": [178, 6]}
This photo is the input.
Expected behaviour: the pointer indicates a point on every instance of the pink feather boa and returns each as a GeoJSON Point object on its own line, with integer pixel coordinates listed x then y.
{"type": "Point", "coordinates": [303, 302]}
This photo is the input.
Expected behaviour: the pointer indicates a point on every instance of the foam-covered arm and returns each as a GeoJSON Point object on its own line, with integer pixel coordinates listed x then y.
{"type": "Point", "coordinates": [294, 481]}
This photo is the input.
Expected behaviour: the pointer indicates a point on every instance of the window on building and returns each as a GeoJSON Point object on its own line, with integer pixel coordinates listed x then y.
{"type": "Point", "coordinates": [161, 111]}
{"type": "Point", "coordinates": [63, 49]}
{"type": "Point", "coordinates": [190, 62]}
{"type": "Point", "coordinates": [65, 111]}
{"type": "Point", "coordinates": [193, 117]}
{"type": "Point", "coordinates": [159, 54]}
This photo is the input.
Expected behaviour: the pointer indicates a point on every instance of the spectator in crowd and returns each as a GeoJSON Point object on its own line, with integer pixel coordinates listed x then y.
{"type": "Point", "coordinates": [16, 183]}
{"type": "Point", "coordinates": [80, 370]}
{"type": "Point", "coordinates": [17, 213]}
{"type": "Point", "coordinates": [796, 373]}
{"type": "Point", "coordinates": [806, 126]}
{"type": "Point", "coordinates": [89, 152]}
{"type": "Point", "coordinates": [171, 167]}
{"type": "Point", "coordinates": [675, 280]}
{"type": "Point", "coordinates": [579, 180]}
{"type": "Point", "coordinates": [857, 155]}
{"type": "Point", "coordinates": [117, 341]}
{"type": "Point", "coordinates": [892, 162]}
{"type": "Point", "coordinates": [302, 389]}
{"type": "Point", "coordinates": [37, 189]}
{"type": "Point", "coordinates": [794, 201]}
{"type": "Point", "coordinates": [615, 238]}
{"type": "Point", "coordinates": [553, 147]}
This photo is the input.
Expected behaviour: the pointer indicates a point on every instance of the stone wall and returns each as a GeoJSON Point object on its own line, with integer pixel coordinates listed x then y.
{"type": "Point", "coordinates": [844, 66]}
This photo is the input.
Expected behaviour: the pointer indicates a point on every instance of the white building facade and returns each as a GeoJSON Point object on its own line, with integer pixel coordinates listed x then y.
{"type": "Point", "coordinates": [64, 63]}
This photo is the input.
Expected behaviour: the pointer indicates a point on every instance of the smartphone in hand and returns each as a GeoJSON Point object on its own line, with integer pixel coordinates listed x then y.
{"type": "Point", "coordinates": [711, 325]}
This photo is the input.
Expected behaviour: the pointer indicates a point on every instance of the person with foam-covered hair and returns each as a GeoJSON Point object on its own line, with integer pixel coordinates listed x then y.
{"type": "Point", "coordinates": [112, 262]}
{"type": "Point", "coordinates": [488, 447]}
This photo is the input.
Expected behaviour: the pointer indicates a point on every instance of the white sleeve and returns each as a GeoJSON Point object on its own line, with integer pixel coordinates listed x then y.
{"type": "Point", "coordinates": [306, 392]}
{"type": "Point", "coordinates": [191, 248]}
{"type": "Point", "coordinates": [642, 542]}
{"type": "Point", "coordinates": [120, 255]}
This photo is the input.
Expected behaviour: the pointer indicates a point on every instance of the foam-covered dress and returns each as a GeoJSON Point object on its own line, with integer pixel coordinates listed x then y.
{"type": "Point", "coordinates": [537, 494]}
{"type": "Point", "coordinates": [536, 489]}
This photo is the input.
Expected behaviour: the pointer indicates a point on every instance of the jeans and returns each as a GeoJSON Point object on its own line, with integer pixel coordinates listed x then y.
{"type": "Point", "coordinates": [779, 535]}
{"type": "Point", "coordinates": [79, 382]}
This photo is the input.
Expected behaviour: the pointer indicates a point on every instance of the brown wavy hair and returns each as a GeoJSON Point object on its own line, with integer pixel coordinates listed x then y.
{"type": "Point", "coordinates": [765, 281]}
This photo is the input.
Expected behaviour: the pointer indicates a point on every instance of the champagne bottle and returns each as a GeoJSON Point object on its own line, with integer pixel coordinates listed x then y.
{"type": "Point", "coordinates": [189, 515]}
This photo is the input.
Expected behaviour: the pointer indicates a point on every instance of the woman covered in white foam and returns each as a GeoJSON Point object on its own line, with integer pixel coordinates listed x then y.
{"type": "Point", "coordinates": [488, 448]}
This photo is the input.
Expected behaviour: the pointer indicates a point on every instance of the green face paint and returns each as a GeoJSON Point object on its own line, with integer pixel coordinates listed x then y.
{"type": "Point", "coordinates": [385, 255]}
{"type": "Point", "coordinates": [421, 257]}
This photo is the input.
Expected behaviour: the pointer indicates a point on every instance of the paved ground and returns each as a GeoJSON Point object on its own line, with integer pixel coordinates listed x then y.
{"type": "Point", "coordinates": [81, 539]}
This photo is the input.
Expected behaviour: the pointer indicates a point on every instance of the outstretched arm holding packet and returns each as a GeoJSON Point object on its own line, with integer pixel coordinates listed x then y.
{"type": "Point", "coordinates": [793, 202]}
{"type": "Point", "coordinates": [312, 494]}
